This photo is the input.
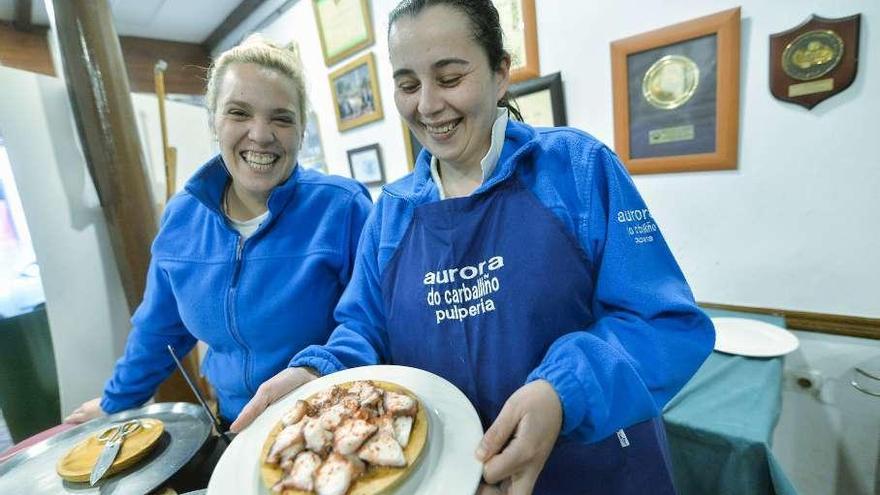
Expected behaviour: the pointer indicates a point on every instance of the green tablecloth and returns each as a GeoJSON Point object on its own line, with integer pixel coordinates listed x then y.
{"type": "Point", "coordinates": [720, 429]}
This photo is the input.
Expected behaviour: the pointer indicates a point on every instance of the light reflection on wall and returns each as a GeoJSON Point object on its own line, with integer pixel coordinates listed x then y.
{"type": "Point", "coordinates": [20, 286]}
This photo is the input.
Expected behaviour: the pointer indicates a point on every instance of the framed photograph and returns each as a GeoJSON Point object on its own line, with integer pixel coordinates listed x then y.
{"type": "Point", "coordinates": [676, 96]}
{"type": "Point", "coordinates": [520, 37]}
{"type": "Point", "coordinates": [355, 89]}
{"type": "Point", "coordinates": [344, 26]}
{"type": "Point", "coordinates": [541, 101]}
{"type": "Point", "coordinates": [411, 145]}
{"type": "Point", "coordinates": [311, 153]}
{"type": "Point", "coordinates": [366, 165]}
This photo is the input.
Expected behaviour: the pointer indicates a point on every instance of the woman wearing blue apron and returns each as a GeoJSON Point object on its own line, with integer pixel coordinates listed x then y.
{"type": "Point", "coordinates": [523, 266]}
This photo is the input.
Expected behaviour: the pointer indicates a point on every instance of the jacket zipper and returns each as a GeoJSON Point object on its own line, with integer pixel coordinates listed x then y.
{"type": "Point", "coordinates": [230, 304]}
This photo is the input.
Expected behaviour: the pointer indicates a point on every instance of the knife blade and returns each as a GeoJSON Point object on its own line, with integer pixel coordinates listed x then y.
{"type": "Point", "coordinates": [105, 460]}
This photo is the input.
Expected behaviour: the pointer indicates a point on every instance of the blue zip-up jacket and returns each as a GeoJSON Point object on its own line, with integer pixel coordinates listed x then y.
{"type": "Point", "coordinates": [647, 337]}
{"type": "Point", "coordinates": [254, 304]}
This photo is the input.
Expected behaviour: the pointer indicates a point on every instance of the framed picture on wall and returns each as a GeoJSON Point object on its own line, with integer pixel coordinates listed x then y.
{"type": "Point", "coordinates": [355, 90]}
{"type": "Point", "coordinates": [541, 101]}
{"type": "Point", "coordinates": [344, 26]}
{"type": "Point", "coordinates": [411, 145]}
{"type": "Point", "coordinates": [366, 165]}
{"type": "Point", "coordinates": [520, 37]}
{"type": "Point", "coordinates": [311, 153]}
{"type": "Point", "coordinates": [676, 96]}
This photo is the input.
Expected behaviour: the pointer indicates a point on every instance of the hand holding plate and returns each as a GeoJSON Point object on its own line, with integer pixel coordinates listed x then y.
{"type": "Point", "coordinates": [288, 380]}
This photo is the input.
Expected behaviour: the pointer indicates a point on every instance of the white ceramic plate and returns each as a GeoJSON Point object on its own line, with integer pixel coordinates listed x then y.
{"type": "Point", "coordinates": [754, 338]}
{"type": "Point", "coordinates": [447, 466]}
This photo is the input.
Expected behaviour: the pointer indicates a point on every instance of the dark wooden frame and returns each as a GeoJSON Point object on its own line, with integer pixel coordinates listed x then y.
{"type": "Point", "coordinates": [372, 147]}
{"type": "Point", "coordinates": [551, 83]}
{"type": "Point", "coordinates": [726, 26]}
{"type": "Point", "coordinates": [332, 58]}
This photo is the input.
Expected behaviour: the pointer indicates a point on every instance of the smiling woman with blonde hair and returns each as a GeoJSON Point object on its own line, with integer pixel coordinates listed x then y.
{"type": "Point", "coordinates": [252, 255]}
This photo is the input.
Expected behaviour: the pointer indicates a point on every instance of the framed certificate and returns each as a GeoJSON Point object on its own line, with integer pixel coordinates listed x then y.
{"type": "Point", "coordinates": [676, 96]}
{"type": "Point", "coordinates": [520, 37]}
{"type": "Point", "coordinates": [541, 101]}
{"type": "Point", "coordinates": [344, 26]}
{"type": "Point", "coordinates": [355, 90]}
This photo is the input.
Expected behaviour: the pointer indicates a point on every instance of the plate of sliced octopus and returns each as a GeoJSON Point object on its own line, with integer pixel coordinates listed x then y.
{"type": "Point", "coordinates": [373, 430]}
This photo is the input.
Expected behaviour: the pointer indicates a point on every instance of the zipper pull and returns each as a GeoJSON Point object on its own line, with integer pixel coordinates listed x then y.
{"type": "Point", "coordinates": [237, 268]}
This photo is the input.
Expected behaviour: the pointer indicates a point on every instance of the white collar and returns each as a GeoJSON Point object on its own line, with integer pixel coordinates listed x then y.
{"type": "Point", "coordinates": [488, 163]}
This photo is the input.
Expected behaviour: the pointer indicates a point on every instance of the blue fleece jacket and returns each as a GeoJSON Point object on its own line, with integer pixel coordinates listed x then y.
{"type": "Point", "coordinates": [254, 304]}
{"type": "Point", "coordinates": [647, 336]}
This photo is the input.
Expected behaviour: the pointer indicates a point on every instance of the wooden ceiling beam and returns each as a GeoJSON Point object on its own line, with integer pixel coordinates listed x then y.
{"type": "Point", "coordinates": [187, 64]}
{"type": "Point", "coordinates": [232, 21]}
{"type": "Point", "coordinates": [22, 20]}
{"type": "Point", "coordinates": [186, 61]}
{"type": "Point", "coordinates": [25, 50]}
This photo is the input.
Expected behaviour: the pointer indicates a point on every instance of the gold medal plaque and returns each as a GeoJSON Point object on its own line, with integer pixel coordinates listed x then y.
{"type": "Point", "coordinates": [813, 54]}
{"type": "Point", "coordinates": [814, 61]}
{"type": "Point", "coordinates": [670, 82]}
{"type": "Point", "coordinates": [676, 96]}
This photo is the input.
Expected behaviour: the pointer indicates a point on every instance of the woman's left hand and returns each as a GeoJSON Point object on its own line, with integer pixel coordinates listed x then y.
{"type": "Point", "coordinates": [286, 381]}
{"type": "Point", "coordinates": [517, 445]}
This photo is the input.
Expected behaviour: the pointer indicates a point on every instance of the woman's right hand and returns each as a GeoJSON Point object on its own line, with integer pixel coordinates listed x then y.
{"type": "Point", "coordinates": [286, 381]}
{"type": "Point", "coordinates": [88, 410]}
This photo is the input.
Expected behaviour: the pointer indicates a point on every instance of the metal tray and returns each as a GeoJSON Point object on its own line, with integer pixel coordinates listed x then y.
{"type": "Point", "coordinates": [33, 469]}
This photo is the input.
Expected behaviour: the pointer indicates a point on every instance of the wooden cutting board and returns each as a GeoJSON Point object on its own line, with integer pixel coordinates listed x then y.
{"type": "Point", "coordinates": [377, 480]}
{"type": "Point", "coordinates": [77, 464]}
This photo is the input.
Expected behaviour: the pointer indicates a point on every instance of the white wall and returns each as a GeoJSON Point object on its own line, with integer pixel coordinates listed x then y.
{"type": "Point", "coordinates": [88, 316]}
{"type": "Point", "coordinates": [188, 132]}
{"type": "Point", "coordinates": [790, 229]}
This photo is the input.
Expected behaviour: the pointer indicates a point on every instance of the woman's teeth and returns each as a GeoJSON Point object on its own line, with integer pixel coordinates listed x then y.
{"type": "Point", "coordinates": [442, 129]}
{"type": "Point", "coordinates": [260, 162]}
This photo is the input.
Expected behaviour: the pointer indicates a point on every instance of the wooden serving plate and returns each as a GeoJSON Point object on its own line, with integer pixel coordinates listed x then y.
{"type": "Point", "coordinates": [377, 480]}
{"type": "Point", "coordinates": [77, 464]}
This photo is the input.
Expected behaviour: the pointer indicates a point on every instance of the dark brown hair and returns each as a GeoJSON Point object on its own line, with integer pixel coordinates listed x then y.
{"type": "Point", "coordinates": [485, 29]}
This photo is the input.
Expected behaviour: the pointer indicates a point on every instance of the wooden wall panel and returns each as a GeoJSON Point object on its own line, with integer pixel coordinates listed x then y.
{"type": "Point", "coordinates": [186, 61]}
{"type": "Point", "coordinates": [25, 50]}
{"type": "Point", "coordinates": [851, 326]}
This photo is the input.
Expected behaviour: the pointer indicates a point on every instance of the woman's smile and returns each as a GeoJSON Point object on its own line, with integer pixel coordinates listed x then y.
{"type": "Point", "coordinates": [259, 162]}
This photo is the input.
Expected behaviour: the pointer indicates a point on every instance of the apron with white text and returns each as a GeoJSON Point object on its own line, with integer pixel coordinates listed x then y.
{"type": "Point", "coordinates": [478, 290]}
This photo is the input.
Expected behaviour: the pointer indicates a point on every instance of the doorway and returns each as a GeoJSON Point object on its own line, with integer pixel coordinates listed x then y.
{"type": "Point", "coordinates": [29, 399]}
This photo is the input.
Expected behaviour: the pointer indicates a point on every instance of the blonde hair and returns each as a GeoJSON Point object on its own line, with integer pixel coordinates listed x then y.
{"type": "Point", "coordinates": [261, 51]}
